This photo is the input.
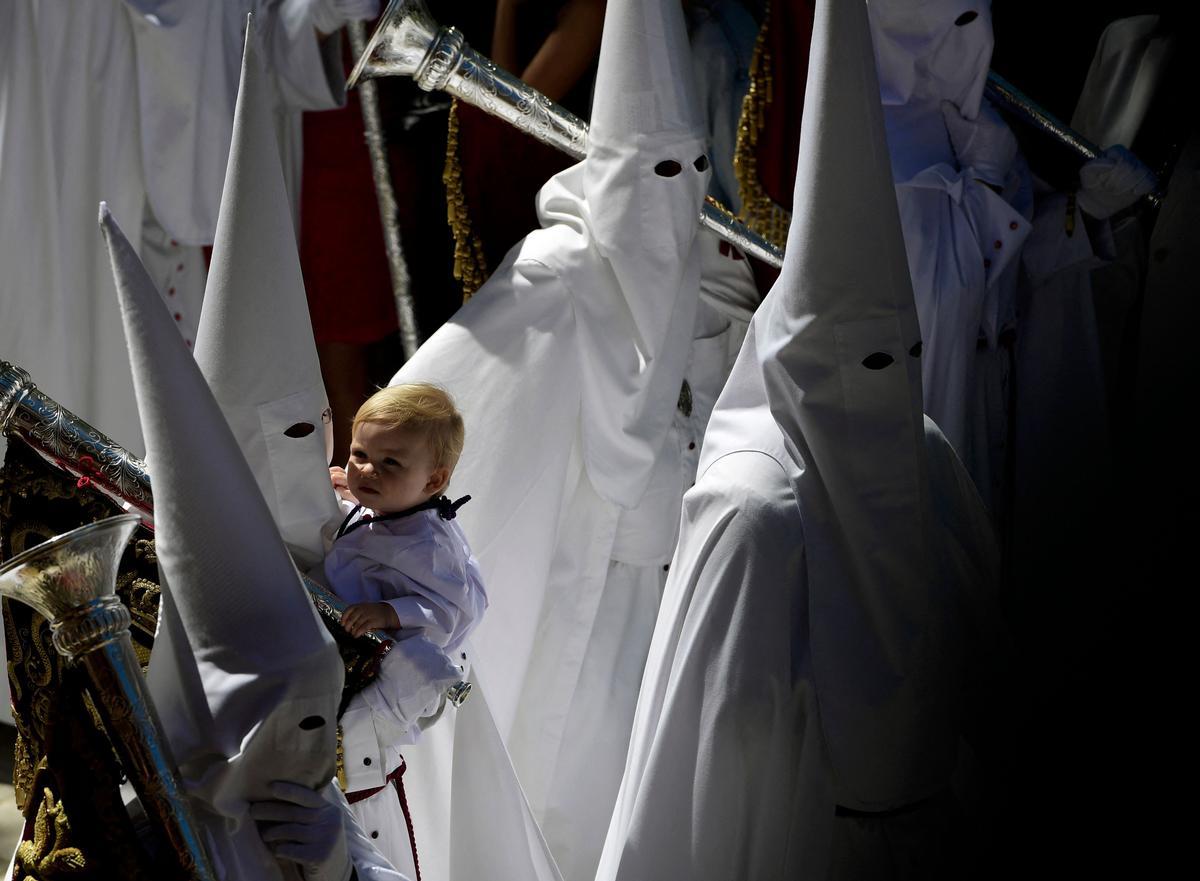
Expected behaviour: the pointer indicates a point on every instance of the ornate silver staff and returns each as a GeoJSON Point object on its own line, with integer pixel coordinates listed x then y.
{"type": "Point", "coordinates": [72, 445]}
{"type": "Point", "coordinates": [409, 42]}
{"type": "Point", "coordinates": [71, 582]}
{"type": "Point", "coordinates": [386, 195]}
{"type": "Point", "coordinates": [1008, 97]}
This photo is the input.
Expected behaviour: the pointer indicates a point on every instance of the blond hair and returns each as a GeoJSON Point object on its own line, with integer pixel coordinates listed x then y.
{"type": "Point", "coordinates": [419, 406]}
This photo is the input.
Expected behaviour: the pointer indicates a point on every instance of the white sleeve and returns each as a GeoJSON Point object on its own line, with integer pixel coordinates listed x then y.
{"type": "Point", "coordinates": [308, 72]}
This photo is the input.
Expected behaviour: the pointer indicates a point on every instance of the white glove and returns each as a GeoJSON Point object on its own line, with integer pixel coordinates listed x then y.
{"type": "Point", "coordinates": [305, 827]}
{"type": "Point", "coordinates": [985, 144]}
{"type": "Point", "coordinates": [329, 15]}
{"type": "Point", "coordinates": [1112, 181]}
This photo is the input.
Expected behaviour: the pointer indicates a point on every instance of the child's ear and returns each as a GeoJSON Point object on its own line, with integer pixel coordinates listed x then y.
{"type": "Point", "coordinates": [438, 479]}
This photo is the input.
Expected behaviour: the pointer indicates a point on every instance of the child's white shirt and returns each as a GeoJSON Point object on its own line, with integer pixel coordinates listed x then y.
{"type": "Point", "coordinates": [420, 565]}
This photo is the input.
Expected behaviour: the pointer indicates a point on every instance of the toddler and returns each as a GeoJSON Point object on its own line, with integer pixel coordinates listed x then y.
{"type": "Point", "coordinates": [404, 567]}
{"type": "Point", "coordinates": [398, 558]}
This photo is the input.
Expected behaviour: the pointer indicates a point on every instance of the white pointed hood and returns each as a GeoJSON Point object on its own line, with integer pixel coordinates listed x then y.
{"type": "Point", "coordinates": [636, 199]}
{"type": "Point", "coordinates": [245, 677]}
{"type": "Point", "coordinates": [928, 51]}
{"type": "Point", "coordinates": [833, 357]}
{"type": "Point", "coordinates": [255, 342]}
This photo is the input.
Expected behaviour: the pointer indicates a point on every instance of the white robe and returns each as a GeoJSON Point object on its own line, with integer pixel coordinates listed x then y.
{"type": "Point", "coordinates": [1063, 456]}
{"type": "Point", "coordinates": [550, 345]}
{"type": "Point", "coordinates": [728, 774]}
{"type": "Point", "coordinates": [99, 104]}
{"type": "Point", "coordinates": [961, 237]}
{"type": "Point", "coordinates": [572, 726]}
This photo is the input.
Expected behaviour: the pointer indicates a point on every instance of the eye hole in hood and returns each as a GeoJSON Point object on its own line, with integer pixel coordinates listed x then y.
{"type": "Point", "coordinates": [701, 163]}
{"type": "Point", "coordinates": [966, 18]}
{"type": "Point", "coordinates": [877, 361]}
{"type": "Point", "coordinates": [668, 168]}
{"type": "Point", "coordinates": [915, 351]}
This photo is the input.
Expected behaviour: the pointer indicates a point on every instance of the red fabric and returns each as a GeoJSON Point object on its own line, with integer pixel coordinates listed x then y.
{"type": "Point", "coordinates": [788, 39]}
{"type": "Point", "coordinates": [342, 253]}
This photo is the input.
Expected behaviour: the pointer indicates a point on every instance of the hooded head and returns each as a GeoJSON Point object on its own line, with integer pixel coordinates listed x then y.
{"type": "Point", "coordinates": [647, 167]}
{"type": "Point", "coordinates": [833, 356]}
{"type": "Point", "coordinates": [928, 51]}
{"type": "Point", "coordinates": [255, 343]}
{"type": "Point", "coordinates": [245, 677]}
{"type": "Point", "coordinates": [620, 230]}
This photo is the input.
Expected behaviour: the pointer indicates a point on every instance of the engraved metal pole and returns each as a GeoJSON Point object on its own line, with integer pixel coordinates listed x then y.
{"type": "Point", "coordinates": [71, 581]}
{"type": "Point", "coordinates": [409, 42]}
{"type": "Point", "coordinates": [73, 446]}
{"type": "Point", "coordinates": [69, 443]}
{"type": "Point", "coordinates": [1008, 97]}
{"type": "Point", "coordinates": [386, 195]}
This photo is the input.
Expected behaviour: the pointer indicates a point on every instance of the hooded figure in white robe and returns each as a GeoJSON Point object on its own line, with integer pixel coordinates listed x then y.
{"type": "Point", "coordinates": [245, 678]}
{"type": "Point", "coordinates": [130, 101]}
{"type": "Point", "coordinates": [255, 342]}
{"type": "Point", "coordinates": [812, 638]}
{"type": "Point", "coordinates": [1084, 265]}
{"type": "Point", "coordinates": [569, 368]}
{"type": "Point", "coordinates": [256, 351]}
{"type": "Point", "coordinates": [964, 201]}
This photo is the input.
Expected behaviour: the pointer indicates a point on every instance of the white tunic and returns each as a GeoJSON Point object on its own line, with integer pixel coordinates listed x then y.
{"type": "Point", "coordinates": [811, 645]}
{"type": "Point", "coordinates": [960, 236]}
{"type": "Point", "coordinates": [421, 566]}
{"type": "Point", "coordinates": [101, 103]}
{"type": "Point", "coordinates": [728, 774]}
{"type": "Point", "coordinates": [569, 382]}
{"type": "Point", "coordinates": [572, 725]}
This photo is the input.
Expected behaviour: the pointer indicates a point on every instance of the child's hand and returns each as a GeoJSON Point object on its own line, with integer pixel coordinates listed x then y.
{"type": "Point", "coordinates": [361, 617]}
{"type": "Point", "coordinates": [341, 483]}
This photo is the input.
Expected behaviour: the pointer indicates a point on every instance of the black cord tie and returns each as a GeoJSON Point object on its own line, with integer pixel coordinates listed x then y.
{"type": "Point", "coordinates": [445, 508]}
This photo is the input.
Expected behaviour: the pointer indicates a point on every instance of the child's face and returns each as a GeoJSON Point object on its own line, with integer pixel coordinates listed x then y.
{"type": "Point", "coordinates": [392, 468]}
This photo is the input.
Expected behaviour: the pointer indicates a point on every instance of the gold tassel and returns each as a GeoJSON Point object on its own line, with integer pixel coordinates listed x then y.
{"type": "Point", "coordinates": [470, 266]}
{"type": "Point", "coordinates": [759, 211]}
{"type": "Point", "coordinates": [341, 762]}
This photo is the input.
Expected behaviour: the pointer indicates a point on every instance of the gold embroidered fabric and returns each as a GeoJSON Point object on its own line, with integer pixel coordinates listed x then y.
{"type": "Point", "coordinates": [759, 211]}
{"type": "Point", "coordinates": [65, 775]}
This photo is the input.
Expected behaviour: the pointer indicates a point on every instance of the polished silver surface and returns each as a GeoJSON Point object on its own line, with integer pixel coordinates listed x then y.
{"type": "Point", "coordinates": [332, 606]}
{"type": "Point", "coordinates": [386, 195]}
{"type": "Point", "coordinates": [71, 581]}
{"type": "Point", "coordinates": [408, 42]}
{"type": "Point", "coordinates": [66, 441]}
{"type": "Point", "coordinates": [1008, 97]}
{"type": "Point", "coordinates": [459, 692]}
{"type": "Point", "coordinates": [65, 576]}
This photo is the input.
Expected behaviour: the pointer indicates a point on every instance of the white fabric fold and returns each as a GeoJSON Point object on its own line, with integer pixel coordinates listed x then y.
{"type": "Point", "coordinates": [245, 677]}
{"type": "Point", "coordinates": [255, 343]}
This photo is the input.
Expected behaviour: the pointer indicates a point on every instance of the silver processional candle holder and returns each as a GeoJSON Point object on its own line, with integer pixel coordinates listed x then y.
{"type": "Point", "coordinates": [409, 42]}
{"type": "Point", "coordinates": [70, 444]}
{"type": "Point", "coordinates": [70, 580]}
